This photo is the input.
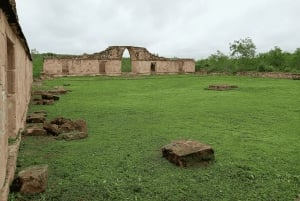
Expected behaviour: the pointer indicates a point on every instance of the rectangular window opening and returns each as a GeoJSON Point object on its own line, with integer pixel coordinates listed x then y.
{"type": "Point", "coordinates": [10, 68]}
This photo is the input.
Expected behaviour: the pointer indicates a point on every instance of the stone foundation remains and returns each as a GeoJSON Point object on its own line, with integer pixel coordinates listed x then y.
{"type": "Point", "coordinates": [109, 62]}
{"type": "Point", "coordinates": [62, 128]}
{"type": "Point", "coordinates": [222, 87]}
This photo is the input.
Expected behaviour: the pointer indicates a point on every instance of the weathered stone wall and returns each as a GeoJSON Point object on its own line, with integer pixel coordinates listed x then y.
{"type": "Point", "coordinates": [3, 141]}
{"type": "Point", "coordinates": [188, 66]}
{"type": "Point", "coordinates": [164, 66]}
{"type": "Point", "coordinates": [109, 62]}
{"type": "Point", "coordinates": [52, 66]}
{"type": "Point", "coordinates": [15, 85]}
{"type": "Point", "coordinates": [113, 67]}
{"type": "Point", "coordinates": [80, 67]}
{"type": "Point", "coordinates": [141, 67]}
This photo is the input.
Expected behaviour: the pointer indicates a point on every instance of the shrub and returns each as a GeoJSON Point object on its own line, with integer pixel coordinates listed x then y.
{"type": "Point", "coordinates": [265, 68]}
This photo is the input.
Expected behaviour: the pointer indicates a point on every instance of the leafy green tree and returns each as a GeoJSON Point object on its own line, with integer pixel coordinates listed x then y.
{"type": "Point", "coordinates": [221, 62]}
{"type": "Point", "coordinates": [243, 48]}
{"type": "Point", "coordinates": [276, 58]}
{"type": "Point", "coordinates": [218, 56]}
{"type": "Point", "coordinates": [295, 63]}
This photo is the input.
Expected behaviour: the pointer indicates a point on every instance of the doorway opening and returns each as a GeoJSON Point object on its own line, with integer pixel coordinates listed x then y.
{"type": "Point", "coordinates": [153, 67]}
{"type": "Point", "coordinates": [126, 61]}
{"type": "Point", "coordinates": [102, 65]}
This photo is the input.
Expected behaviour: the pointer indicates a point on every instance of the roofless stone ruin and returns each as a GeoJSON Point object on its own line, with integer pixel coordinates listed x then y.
{"type": "Point", "coordinates": [109, 62]}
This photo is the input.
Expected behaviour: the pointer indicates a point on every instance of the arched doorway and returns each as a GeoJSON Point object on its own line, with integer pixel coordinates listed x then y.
{"type": "Point", "coordinates": [126, 62]}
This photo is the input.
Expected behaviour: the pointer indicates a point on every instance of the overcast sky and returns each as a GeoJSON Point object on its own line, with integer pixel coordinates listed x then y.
{"type": "Point", "coordinates": [181, 28]}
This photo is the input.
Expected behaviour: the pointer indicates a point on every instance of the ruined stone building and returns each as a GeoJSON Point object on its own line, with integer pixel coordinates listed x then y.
{"type": "Point", "coordinates": [15, 84]}
{"type": "Point", "coordinates": [109, 62]}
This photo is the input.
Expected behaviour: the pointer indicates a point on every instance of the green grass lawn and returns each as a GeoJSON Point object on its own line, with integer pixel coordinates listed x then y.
{"type": "Point", "coordinates": [126, 65]}
{"type": "Point", "coordinates": [254, 130]}
{"type": "Point", "coordinates": [37, 62]}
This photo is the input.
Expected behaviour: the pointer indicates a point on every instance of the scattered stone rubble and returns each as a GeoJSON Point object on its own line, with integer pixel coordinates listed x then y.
{"type": "Point", "coordinates": [34, 179]}
{"type": "Point", "coordinates": [48, 97]}
{"type": "Point", "coordinates": [37, 117]}
{"type": "Point", "coordinates": [222, 87]}
{"type": "Point", "coordinates": [65, 129]}
{"type": "Point", "coordinates": [31, 180]}
{"type": "Point", "coordinates": [188, 153]}
{"type": "Point", "coordinates": [296, 76]}
{"type": "Point", "coordinates": [61, 128]}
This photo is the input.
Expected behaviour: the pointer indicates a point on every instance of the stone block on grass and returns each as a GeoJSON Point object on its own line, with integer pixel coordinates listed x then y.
{"type": "Point", "coordinates": [186, 153]}
{"type": "Point", "coordinates": [66, 129]}
{"type": "Point", "coordinates": [52, 129]}
{"type": "Point", "coordinates": [48, 96]}
{"type": "Point", "coordinates": [31, 180]}
{"type": "Point", "coordinates": [36, 118]}
{"type": "Point", "coordinates": [75, 135]}
{"type": "Point", "coordinates": [58, 90]}
{"type": "Point", "coordinates": [35, 131]}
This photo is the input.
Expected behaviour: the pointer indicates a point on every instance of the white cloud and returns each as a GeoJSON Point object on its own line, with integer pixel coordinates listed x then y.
{"type": "Point", "coordinates": [194, 28]}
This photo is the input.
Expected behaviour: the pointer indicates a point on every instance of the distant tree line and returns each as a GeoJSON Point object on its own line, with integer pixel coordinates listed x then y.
{"type": "Point", "coordinates": [243, 57]}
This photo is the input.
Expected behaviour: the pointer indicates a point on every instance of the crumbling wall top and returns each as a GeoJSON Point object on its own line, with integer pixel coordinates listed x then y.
{"type": "Point", "coordinates": [116, 53]}
{"type": "Point", "coordinates": [136, 53]}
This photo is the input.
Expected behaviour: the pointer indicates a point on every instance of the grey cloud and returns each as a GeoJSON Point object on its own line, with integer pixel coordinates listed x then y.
{"type": "Point", "coordinates": [194, 28]}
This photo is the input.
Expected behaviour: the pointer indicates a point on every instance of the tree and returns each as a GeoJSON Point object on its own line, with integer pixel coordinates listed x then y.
{"type": "Point", "coordinates": [218, 56]}
{"type": "Point", "coordinates": [295, 60]}
{"type": "Point", "coordinates": [276, 58]}
{"type": "Point", "coordinates": [243, 48]}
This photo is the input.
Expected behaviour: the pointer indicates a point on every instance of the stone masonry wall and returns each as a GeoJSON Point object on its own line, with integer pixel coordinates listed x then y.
{"type": "Point", "coordinates": [109, 62]}
{"type": "Point", "coordinates": [15, 86]}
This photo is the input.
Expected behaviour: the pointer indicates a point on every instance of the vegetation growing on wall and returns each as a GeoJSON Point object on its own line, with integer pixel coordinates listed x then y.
{"type": "Point", "coordinates": [243, 57]}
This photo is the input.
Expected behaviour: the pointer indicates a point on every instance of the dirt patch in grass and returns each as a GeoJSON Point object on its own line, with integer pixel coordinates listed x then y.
{"type": "Point", "coordinates": [222, 87]}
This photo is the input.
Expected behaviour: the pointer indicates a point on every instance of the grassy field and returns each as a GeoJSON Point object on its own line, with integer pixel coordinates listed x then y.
{"type": "Point", "coordinates": [126, 65]}
{"type": "Point", "coordinates": [37, 62]}
{"type": "Point", "coordinates": [254, 130]}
